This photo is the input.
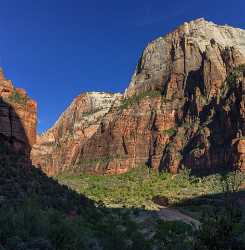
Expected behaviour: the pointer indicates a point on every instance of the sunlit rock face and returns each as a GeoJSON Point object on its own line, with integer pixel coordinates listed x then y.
{"type": "Point", "coordinates": [198, 49]}
{"type": "Point", "coordinates": [57, 149]}
{"type": "Point", "coordinates": [184, 107]}
{"type": "Point", "coordinates": [18, 119]}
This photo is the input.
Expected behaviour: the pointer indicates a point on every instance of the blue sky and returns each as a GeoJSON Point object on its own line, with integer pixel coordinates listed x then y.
{"type": "Point", "coordinates": [56, 49]}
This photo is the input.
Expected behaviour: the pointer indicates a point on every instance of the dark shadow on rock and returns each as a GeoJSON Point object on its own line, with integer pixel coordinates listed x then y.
{"type": "Point", "coordinates": [219, 128]}
{"type": "Point", "coordinates": [19, 180]}
{"type": "Point", "coordinates": [14, 140]}
{"type": "Point", "coordinates": [216, 200]}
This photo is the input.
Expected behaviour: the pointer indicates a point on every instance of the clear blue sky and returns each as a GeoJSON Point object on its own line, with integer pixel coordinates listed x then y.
{"type": "Point", "coordinates": [56, 49]}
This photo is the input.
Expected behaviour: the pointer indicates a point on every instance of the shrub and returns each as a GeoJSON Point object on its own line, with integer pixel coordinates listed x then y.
{"type": "Point", "coordinates": [174, 235]}
{"type": "Point", "coordinates": [170, 132]}
{"type": "Point", "coordinates": [136, 98]}
{"type": "Point", "coordinates": [223, 227]}
{"type": "Point", "coordinates": [232, 181]}
{"type": "Point", "coordinates": [17, 98]}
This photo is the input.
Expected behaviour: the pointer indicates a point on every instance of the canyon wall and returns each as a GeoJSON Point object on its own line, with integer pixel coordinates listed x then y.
{"type": "Point", "coordinates": [18, 120]}
{"type": "Point", "coordinates": [184, 107]}
{"type": "Point", "coordinates": [57, 149]}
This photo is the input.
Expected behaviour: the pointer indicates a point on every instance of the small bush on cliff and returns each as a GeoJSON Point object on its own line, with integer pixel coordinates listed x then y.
{"type": "Point", "coordinates": [232, 78]}
{"type": "Point", "coordinates": [169, 132]}
{"type": "Point", "coordinates": [17, 98]}
{"type": "Point", "coordinates": [136, 98]}
{"type": "Point", "coordinates": [91, 112]}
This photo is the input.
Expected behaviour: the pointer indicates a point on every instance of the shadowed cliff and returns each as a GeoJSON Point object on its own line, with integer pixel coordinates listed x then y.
{"type": "Point", "coordinates": [19, 179]}
{"type": "Point", "coordinates": [38, 213]}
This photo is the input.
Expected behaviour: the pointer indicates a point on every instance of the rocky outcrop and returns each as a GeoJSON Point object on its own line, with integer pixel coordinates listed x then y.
{"type": "Point", "coordinates": [183, 107]}
{"type": "Point", "coordinates": [169, 63]}
{"type": "Point", "coordinates": [18, 119]}
{"type": "Point", "coordinates": [57, 150]}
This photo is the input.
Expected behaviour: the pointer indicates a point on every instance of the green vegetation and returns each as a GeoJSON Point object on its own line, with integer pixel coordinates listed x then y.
{"type": "Point", "coordinates": [170, 132]}
{"type": "Point", "coordinates": [232, 78]}
{"type": "Point", "coordinates": [18, 98]}
{"type": "Point", "coordinates": [222, 228]}
{"type": "Point", "coordinates": [137, 187]}
{"type": "Point", "coordinates": [102, 159]}
{"type": "Point", "coordinates": [92, 111]}
{"type": "Point", "coordinates": [174, 235]}
{"type": "Point", "coordinates": [28, 227]}
{"type": "Point", "coordinates": [137, 98]}
{"type": "Point", "coordinates": [207, 199]}
{"type": "Point", "coordinates": [38, 213]}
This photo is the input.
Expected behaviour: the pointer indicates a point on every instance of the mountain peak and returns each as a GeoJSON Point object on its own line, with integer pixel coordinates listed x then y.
{"type": "Point", "coordinates": [188, 43]}
{"type": "Point", "coordinates": [168, 114]}
{"type": "Point", "coordinates": [202, 32]}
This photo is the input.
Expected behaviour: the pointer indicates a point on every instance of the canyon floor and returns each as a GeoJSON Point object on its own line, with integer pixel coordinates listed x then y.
{"type": "Point", "coordinates": [137, 210]}
{"type": "Point", "coordinates": [152, 190]}
{"type": "Point", "coordinates": [152, 199]}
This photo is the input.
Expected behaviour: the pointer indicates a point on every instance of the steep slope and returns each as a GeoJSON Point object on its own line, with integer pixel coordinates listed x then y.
{"type": "Point", "coordinates": [58, 148]}
{"type": "Point", "coordinates": [36, 212]}
{"type": "Point", "coordinates": [183, 107]}
{"type": "Point", "coordinates": [196, 49]}
{"type": "Point", "coordinates": [18, 119]}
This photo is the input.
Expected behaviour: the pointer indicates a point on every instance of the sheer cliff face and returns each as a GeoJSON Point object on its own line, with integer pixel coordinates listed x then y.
{"type": "Point", "coordinates": [183, 107]}
{"type": "Point", "coordinates": [57, 150]}
{"type": "Point", "coordinates": [18, 119]}
{"type": "Point", "coordinates": [196, 49]}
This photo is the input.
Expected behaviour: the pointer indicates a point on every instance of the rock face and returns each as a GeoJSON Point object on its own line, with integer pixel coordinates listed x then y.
{"type": "Point", "coordinates": [18, 119]}
{"type": "Point", "coordinates": [194, 48]}
{"type": "Point", "coordinates": [57, 150]}
{"type": "Point", "coordinates": [184, 107]}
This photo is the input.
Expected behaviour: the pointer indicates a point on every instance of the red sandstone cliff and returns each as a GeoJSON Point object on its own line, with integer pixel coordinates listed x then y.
{"type": "Point", "coordinates": [57, 150]}
{"type": "Point", "coordinates": [183, 107]}
{"type": "Point", "coordinates": [18, 119]}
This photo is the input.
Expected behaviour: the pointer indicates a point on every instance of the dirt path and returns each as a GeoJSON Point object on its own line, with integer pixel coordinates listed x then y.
{"type": "Point", "coordinates": [171, 214]}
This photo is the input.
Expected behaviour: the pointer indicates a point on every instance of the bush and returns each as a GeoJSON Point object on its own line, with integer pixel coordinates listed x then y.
{"type": "Point", "coordinates": [223, 227]}
{"type": "Point", "coordinates": [232, 181]}
{"type": "Point", "coordinates": [170, 132]}
{"type": "Point", "coordinates": [136, 98]}
{"type": "Point", "coordinates": [17, 98]}
{"type": "Point", "coordinates": [174, 235]}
